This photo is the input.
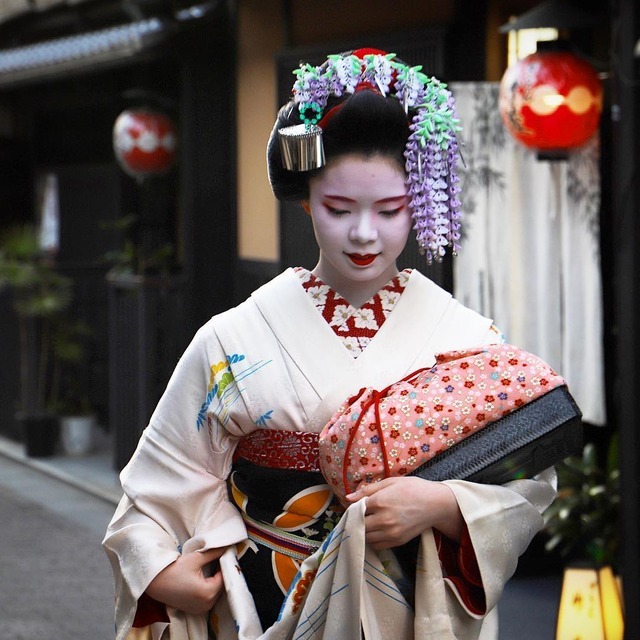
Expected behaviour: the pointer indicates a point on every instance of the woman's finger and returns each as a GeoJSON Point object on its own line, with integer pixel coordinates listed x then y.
{"type": "Point", "coordinates": [205, 557]}
{"type": "Point", "coordinates": [365, 489]}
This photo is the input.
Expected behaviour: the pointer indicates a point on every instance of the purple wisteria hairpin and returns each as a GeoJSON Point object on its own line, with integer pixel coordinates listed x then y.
{"type": "Point", "coordinates": [431, 152]}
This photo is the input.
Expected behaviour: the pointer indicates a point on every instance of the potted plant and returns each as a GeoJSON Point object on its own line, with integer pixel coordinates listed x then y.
{"type": "Point", "coordinates": [40, 295]}
{"type": "Point", "coordinates": [72, 386]}
{"type": "Point", "coordinates": [583, 521]}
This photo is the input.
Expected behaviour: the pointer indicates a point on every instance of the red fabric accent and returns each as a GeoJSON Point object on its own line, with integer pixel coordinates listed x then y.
{"type": "Point", "coordinates": [361, 86]}
{"type": "Point", "coordinates": [467, 560]}
{"type": "Point", "coordinates": [149, 611]}
{"type": "Point", "coordinates": [327, 116]}
{"type": "Point", "coordinates": [446, 552]}
{"type": "Point", "coordinates": [359, 53]}
{"type": "Point", "coordinates": [349, 328]}
{"type": "Point", "coordinates": [280, 449]}
{"type": "Point", "coordinates": [324, 121]}
{"type": "Point", "coordinates": [368, 51]}
{"type": "Point", "coordinates": [459, 565]}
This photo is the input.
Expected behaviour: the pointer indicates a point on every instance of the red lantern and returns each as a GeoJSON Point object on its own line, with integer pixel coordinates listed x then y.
{"type": "Point", "coordinates": [144, 142]}
{"type": "Point", "coordinates": [551, 100]}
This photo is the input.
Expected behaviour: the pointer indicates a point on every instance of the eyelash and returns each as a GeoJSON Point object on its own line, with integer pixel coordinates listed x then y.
{"type": "Point", "coordinates": [336, 212]}
{"type": "Point", "coordinates": [387, 214]}
{"type": "Point", "coordinates": [391, 212]}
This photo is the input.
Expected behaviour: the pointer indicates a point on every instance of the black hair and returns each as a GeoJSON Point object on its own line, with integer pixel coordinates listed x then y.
{"type": "Point", "coordinates": [365, 123]}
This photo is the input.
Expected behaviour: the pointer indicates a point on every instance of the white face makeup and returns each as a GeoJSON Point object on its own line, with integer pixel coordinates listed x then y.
{"type": "Point", "coordinates": [361, 219]}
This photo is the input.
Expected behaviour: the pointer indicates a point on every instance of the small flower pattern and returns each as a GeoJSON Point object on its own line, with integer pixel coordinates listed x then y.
{"type": "Point", "coordinates": [355, 327]}
{"type": "Point", "coordinates": [428, 412]}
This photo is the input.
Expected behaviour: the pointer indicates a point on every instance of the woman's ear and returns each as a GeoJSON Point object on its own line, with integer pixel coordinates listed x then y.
{"type": "Point", "coordinates": [305, 206]}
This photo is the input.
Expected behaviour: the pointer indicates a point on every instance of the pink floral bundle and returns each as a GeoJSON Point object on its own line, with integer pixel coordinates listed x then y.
{"type": "Point", "coordinates": [394, 432]}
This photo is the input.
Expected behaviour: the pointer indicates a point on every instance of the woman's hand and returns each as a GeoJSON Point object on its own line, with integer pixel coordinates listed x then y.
{"type": "Point", "coordinates": [184, 584]}
{"type": "Point", "coordinates": [399, 509]}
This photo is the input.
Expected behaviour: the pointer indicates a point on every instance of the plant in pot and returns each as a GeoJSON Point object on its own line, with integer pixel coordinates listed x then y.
{"type": "Point", "coordinates": [72, 382]}
{"type": "Point", "coordinates": [40, 296]}
{"type": "Point", "coordinates": [583, 521]}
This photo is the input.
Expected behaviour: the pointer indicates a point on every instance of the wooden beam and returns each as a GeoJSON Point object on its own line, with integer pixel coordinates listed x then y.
{"type": "Point", "coordinates": [626, 223]}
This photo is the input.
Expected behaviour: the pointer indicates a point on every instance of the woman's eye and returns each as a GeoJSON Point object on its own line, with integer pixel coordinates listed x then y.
{"type": "Point", "coordinates": [336, 212]}
{"type": "Point", "coordinates": [389, 213]}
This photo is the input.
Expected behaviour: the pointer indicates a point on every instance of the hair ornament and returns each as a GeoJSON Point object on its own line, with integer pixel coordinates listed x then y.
{"type": "Point", "coordinates": [431, 152]}
{"type": "Point", "coordinates": [301, 147]}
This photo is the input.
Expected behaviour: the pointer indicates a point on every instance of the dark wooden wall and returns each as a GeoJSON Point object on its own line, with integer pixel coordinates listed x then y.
{"type": "Point", "coordinates": [625, 223]}
{"type": "Point", "coordinates": [64, 125]}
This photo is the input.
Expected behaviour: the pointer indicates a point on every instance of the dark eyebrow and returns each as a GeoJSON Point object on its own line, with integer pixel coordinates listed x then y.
{"type": "Point", "coordinates": [339, 198]}
{"type": "Point", "coordinates": [391, 199]}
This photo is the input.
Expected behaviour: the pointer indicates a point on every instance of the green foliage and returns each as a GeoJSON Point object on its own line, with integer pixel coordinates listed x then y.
{"type": "Point", "coordinates": [583, 521]}
{"type": "Point", "coordinates": [39, 291]}
{"type": "Point", "coordinates": [40, 297]}
{"type": "Point", "coordinates": [70, 341]}
{"type": "Point", "coordinates": [72, 375]}
{"type": "Point", "coordinates": [131, 258]}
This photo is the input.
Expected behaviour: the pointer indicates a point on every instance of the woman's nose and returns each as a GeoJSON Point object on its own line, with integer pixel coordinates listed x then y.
{"type": "Point", "coordinates": [364, 229]}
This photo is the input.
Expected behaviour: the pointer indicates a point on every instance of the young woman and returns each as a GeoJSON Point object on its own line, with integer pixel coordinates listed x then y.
{"type": "Point", "coordinates": [223, 528]}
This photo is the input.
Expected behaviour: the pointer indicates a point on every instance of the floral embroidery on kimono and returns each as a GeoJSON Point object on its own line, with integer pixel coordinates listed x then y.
{"type": "Point", "coordinates": [354, 326]}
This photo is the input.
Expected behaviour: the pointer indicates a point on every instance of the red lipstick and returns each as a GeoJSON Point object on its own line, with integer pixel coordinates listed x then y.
{"type": "Point", "coordinates": [362, 260]}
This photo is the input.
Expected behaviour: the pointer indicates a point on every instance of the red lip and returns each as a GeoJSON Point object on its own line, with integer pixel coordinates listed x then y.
{"type": "Point", "coordinates": [362, 260]}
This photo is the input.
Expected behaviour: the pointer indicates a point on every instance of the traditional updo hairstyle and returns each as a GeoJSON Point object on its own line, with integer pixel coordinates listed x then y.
{"type": "Point", "coordinates": [369, 103]}
{"type": "Point", "coordinates": [364, 123]}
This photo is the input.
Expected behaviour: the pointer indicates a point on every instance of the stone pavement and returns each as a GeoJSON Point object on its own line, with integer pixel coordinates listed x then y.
{"type": "Point", "coordinates": [55, 581]}
{"type": "Point", "coordinates": [92, 473]}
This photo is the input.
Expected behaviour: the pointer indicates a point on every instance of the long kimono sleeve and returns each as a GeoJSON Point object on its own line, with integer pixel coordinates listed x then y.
{"type": "Point", "coordinates": [501, 522]}
{"type": "Point", "coordinates": [175, 496]}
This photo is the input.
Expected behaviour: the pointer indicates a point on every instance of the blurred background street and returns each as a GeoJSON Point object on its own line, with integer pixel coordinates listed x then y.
{"type": "Point", "coordinates": [55, 580]}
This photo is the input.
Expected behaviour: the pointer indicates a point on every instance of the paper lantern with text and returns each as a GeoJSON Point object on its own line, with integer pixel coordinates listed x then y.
{"type": "Point", "coordinates": [551, 100]}
{"type": "Point", "coordinates": [144, 142]}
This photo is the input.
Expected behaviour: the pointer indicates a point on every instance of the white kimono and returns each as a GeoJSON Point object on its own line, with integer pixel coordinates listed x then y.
{"type": "Point", "coordinates": [274, 362]}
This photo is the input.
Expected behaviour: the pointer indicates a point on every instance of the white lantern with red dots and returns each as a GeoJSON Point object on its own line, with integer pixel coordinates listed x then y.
{"type": "Point", "coordinates": [144, 142]}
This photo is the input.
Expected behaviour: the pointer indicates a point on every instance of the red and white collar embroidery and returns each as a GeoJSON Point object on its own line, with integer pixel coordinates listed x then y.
{"type": "Point", "coordinates": [354, 326]}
